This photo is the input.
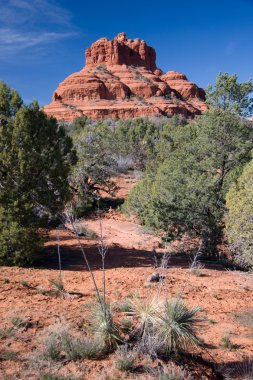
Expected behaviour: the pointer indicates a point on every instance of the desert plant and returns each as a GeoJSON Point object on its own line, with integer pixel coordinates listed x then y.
{"type": "Point", "coordinates": [6, 332]}
{"type": "Point", "coordinates": [24, 283]}
{"type": "Point", "coordinates": [58, 286]}
{"type": "Point", "coordinates": [57, 335]}
{"type": "Point", "coordinates": [126, 325]}
{"type": "Point", "coordinates": [174, 373]}
{"type": "Point", "coordinates": [35, 160]}
{"type": "Point", "coordinates": [125, 359]}
{"type": "Point", "coordinates": [176, 327]}
{"type": "Point", "coordinates": [227, 343]}
{"type": "Point", "coordinates": [9, 355]}
{"type": "Point", "coordinates": [82, 230]}
{"type": "Point", "coordinates": [125, 306]}
{"type": "Point", "coordinates": [84, 348]}
{"type": "Point", "coordinates": [18, 322]}
{"type": "Point", "coordinates": [167, 326]}
{"type": "Point", "coordinates": [6, 280]}
{"type": "Point", "coordinates": [196, 270]}
{"type": "Point", "coordinates": [147, 311]}
{"type": "Point", "coordinates": [239, 218]}
{"type": "Point", "coordinates": [103, 325]}
{"type": "Point", "coordinates": [49, 376]}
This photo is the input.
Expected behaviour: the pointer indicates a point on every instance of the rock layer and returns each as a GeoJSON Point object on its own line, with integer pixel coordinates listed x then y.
{"type": "Point", "coordinates": [121, 80]}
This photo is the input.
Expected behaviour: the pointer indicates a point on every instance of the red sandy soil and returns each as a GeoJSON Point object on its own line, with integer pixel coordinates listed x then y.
{"type": "Point", "coordinates": [224, 296]}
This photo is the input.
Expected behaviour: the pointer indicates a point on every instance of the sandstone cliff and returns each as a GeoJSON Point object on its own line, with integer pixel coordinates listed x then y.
{"type": "Point", "coordinates": [121, 80]}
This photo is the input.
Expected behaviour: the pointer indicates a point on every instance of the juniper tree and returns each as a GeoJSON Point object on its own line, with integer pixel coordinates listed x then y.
{"type": "Point", "coordinates": [186, 192]}
{"type": "Point", "coordinates": [35, 159]}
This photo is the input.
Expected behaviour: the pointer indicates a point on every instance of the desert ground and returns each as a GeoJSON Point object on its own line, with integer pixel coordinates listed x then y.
{"type": "Point", "coordinates": [28, 310]}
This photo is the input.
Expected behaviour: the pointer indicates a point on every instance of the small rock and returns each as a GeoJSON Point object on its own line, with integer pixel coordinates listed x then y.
{"type": "Point", "coordinates": [155, 277]}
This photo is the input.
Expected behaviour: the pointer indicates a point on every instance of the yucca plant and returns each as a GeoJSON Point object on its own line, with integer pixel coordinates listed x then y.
{"type": "Point", "coordinates": [147, 311]}
{"type": "Point", "coordinates": [175, 328]}
{"type": "Point", "coordinates": [166, 326]}
{"type": "Point", "coordinates": [103, 325]}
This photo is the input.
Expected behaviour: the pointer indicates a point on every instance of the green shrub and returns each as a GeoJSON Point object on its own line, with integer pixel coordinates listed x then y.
{"type": "Point", "coordinates": [19, 245]}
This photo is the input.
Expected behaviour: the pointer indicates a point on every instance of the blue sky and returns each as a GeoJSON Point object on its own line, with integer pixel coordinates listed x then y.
{"type": "Point", "coordinates": [43, 41]}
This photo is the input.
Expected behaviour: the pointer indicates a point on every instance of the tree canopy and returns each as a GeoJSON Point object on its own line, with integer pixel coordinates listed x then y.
{"type": "Point", "coordinates": [230, 95]}
{"type": "Point", "coordinates": [184, 191]}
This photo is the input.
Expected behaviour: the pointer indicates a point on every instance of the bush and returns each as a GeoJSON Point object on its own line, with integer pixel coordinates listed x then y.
{"type": "Point", "coordinates": [19, 245]}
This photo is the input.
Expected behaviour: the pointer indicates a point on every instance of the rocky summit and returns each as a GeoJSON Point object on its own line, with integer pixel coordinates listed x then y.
{"type": "Point", "coordinates": [120, 80]}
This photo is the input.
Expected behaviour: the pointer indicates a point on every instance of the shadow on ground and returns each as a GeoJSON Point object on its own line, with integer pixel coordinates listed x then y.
{"type": "Point", "coordinates": [116, 257]}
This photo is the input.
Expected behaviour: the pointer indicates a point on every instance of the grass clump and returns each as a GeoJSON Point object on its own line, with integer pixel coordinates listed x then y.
{"type": "Point", "coordinates": [125, 360]}
{"type": "Point", "coordinates": [49, 376]}
{"type": "Point", "coordinates": [227, 343]}
{"type": "Point", "coordinates": [24, 283]}
{"type": "Point", "coordinates": [9, 355]}
{"type": "Point", "coordinates": [18, 322]}
{"type": "Point", "coordinates": [61, 343]}
{"type": "Point", "coordinates": [6, 333]}
{"type": "Point", "coordinates": [197, 270]}
{"type": "Point", "coordinates": [57, 284]}
{"type": "Point", "coordinates": [58, 288]}
{"type": "Point", "coordinates": [6, 280]}
{"type": "Point", "coordinates": [54, 341]}
{"type": "Point", "coordinates": [85, 348]}
{"type": "Point", "coordinates": [125, 306]}
{"type": "Point", "coordinates": [167, 327]}
{"type": "Point", "coordinates": [174, 373]}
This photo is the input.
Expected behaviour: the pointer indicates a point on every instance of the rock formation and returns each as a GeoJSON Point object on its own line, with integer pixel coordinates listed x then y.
{"type": "Point", "coordinates": [121, 80]}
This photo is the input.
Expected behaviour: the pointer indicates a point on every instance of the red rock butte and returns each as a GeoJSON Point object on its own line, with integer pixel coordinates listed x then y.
{"type": "Point", "coordinates": [121, 80]}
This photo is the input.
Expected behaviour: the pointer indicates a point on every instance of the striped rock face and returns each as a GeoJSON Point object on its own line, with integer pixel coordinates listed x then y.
{"type": "Point", "coordinates": [120, 80]}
